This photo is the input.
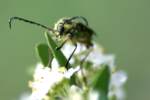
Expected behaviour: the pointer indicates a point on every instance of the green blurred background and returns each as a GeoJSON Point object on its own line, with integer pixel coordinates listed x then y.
{"type": "Point", "coordinates": [122, 27]}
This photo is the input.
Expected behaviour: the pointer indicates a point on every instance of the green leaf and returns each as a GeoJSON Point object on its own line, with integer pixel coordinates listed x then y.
{"type": "Point", "coordinates": [101, 82]}
{"type": "Point", "coordinates": [56, 53]}
{"type": "Point", "coordinates": [44, 54]}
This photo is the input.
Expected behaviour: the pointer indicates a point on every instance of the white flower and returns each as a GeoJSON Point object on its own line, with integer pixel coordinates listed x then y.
{"type": "Point", "coordinates": [117, 81]}
{"type": "Point", "coordinates": [68, 49]}
{"type": "Point", "coordinates": [93, 95]}
{"type": "Point", "coordinates": [118, 78]}
{"type": "Point", "coordinates": [45, 78]}
{"type": "Point", "coordinates": [96, 56]}
{"type": "Point", "coordinates": [75, 93]}
{"type": "Point", "coordinates": [55, 64]}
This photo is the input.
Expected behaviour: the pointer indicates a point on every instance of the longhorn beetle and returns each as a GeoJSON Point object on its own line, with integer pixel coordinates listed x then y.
{"type": "Point", "coordinates": [71, 28]}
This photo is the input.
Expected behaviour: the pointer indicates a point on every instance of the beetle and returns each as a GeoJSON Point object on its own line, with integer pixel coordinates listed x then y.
{"type": "Point", "coordinates": [69, 29]}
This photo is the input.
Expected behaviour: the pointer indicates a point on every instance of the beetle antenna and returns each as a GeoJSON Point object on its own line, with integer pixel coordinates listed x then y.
{"type": "Point", "coordinates": [81, 17]}
{"type": "Point", "coordinates": [28, 21]}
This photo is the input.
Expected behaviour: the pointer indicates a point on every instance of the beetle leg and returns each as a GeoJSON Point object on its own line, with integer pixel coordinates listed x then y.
{"type": "Point", "coordinates": [66, 66]}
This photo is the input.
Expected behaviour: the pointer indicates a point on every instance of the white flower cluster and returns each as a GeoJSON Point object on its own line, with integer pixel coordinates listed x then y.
{"type": "Point", "coordinates": [97, 57]}
{"type": "Point", "coordinates": [45, 78]}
